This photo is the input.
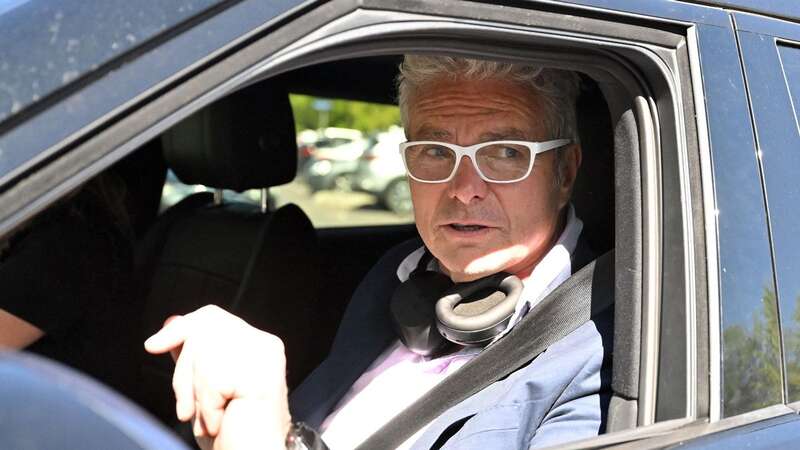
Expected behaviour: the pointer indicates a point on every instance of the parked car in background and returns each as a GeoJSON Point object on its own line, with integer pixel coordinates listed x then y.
{"type": "Point", "coordinates": [310, 141]}
{"type": "Point", "coordinates": [380, 171]}
{"type": "Point", "coordinates": [332, 167]}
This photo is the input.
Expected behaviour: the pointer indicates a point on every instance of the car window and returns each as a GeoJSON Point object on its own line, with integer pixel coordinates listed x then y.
{"type": "Point", "coordinates": [349, 170]}
{"type": "Point", "coordinates": [790, 60]}
{"type": "Point", "coordinates": [750, 337]}
{"type": "Point", "coordinates": [754, 376]}
{"type": "Point", "coordinates": [776, 113]}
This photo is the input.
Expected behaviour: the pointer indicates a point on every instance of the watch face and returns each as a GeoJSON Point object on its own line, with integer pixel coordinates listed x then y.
{"type": "Point", "coordinates": [303, 437]}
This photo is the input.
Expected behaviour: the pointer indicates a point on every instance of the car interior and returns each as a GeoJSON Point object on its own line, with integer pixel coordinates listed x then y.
{"type": "Point", "coordinates": [271, 265]}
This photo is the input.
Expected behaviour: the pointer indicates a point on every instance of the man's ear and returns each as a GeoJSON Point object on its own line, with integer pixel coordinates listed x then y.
{"type": "Point", "coordinates": [572, 162]}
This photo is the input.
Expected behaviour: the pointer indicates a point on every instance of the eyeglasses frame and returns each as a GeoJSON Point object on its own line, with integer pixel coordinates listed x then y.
{"type": "Point", "coordinates": [472, 150]}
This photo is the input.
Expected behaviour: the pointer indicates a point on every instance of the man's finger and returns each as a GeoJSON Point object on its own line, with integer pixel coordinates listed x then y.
{"type": "Point", "coordinates": [198, 425]}
{"type": "Point", "coordinates": [171, 336]}
{"type": "Point", "coordinates": [183, 384]}
{"type": "Point", "coordinates": [175, 352]}
{"type": "Point", "coordinates": [210, 405]}
{"type": "Point", "coordinates": [170, 319]}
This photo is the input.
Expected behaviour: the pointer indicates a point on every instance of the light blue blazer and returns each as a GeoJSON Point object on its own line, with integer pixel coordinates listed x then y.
{"type": "Point", "coordinates": [560, 396]}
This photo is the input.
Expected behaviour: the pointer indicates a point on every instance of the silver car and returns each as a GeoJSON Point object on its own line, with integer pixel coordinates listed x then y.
{"type": "Point", "coordinates": [380, 171]}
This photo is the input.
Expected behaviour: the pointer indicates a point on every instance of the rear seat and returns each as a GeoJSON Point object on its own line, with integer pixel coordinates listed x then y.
{"type": "Point", "coordinates": [263, 266]}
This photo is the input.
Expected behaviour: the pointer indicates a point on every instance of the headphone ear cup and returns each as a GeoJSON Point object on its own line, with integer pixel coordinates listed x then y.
{"type": "Point", "coordinates": [412, 309]}
{"type": "Point", "coordinates": [474, 313]}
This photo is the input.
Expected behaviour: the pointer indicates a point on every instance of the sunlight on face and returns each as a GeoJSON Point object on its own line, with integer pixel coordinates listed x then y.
{"type": "Point", "coordinates": [494, 262]}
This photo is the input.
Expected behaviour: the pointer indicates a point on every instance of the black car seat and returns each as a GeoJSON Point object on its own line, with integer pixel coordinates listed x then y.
{"type": "Point", "coordinates": [261, 265]}
{"type": "Point", "coordinates": [593, 193]}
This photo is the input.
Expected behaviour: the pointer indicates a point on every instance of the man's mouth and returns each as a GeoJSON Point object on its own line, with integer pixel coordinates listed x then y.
{"type": "Point", "coordinates": [466, 227]}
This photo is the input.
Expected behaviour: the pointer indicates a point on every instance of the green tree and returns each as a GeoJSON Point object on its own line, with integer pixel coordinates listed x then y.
{"type": "Point", "coordinates": [367, 117]}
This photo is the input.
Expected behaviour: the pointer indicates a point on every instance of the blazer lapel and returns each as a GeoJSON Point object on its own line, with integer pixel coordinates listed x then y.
{"type": "Point", "coordinates": [365, 332]}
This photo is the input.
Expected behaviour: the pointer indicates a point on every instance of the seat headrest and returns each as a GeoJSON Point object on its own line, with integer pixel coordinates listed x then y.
{"type": "Point", "coordinates": [243, 141]}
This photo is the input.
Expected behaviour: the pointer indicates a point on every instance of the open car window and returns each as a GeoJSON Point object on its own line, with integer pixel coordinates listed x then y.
{"type": "Point", "coordinates": [349, 169]}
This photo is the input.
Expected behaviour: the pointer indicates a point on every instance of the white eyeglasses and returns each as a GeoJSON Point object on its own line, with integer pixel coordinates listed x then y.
{"type": "Point", "coordinates": [495, 161]}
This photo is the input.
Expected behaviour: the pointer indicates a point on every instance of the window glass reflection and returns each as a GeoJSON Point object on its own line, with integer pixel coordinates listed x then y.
{"type": "Point", "coordinates": [750, 331]}
{"type": "Point", "coordinates": [783, 171]}
{"type": "Point", "coordinates": [751, 356]}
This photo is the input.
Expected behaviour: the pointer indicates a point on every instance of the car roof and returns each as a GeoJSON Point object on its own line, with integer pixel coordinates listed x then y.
{"type": "Point", "coordinates": [47, 45]}
{"type": "Point", "coordinates": [788, 9]}
{"type": "Point", "coordinates": [68, 64]}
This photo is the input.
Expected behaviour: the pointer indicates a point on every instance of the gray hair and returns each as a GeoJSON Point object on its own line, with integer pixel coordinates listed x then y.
{"type": "Point", "coordinates": [558, 89]}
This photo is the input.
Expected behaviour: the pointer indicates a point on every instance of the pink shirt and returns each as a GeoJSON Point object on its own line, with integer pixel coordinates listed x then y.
{"type": "Point", "coordinates": [395, 380]}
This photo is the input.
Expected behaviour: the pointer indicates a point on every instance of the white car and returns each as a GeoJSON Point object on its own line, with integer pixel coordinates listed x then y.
{"type": "Point", "coordinates": [380, 171]}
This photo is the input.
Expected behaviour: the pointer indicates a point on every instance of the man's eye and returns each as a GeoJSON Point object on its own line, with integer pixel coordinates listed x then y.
{"type": "Point", "coordinates": [436, 151]}
{"type": "Point", "coordinates": [509, 152]}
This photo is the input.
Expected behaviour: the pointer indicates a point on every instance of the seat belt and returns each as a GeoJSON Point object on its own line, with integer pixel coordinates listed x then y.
{"type": "Point", "coordinates": [585, 295]}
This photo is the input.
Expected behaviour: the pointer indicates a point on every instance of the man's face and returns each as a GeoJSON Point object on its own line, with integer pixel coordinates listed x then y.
{"type": "Point", "coordinates": [475, 228]}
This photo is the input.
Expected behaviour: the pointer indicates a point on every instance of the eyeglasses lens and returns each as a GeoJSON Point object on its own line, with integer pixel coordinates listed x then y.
{"type": "Point", "coordinates": [504, 162]}
{"type": "Point", "coordinates": [498, 162]}
{"type": "Point", "coordinates": [430, 162]}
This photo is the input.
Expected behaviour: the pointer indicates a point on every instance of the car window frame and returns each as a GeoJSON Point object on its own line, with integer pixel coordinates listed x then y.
{"type": "Point", "coordinates": [654, 298]}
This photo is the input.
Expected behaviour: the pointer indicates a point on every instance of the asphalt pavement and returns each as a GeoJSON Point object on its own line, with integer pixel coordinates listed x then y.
{"type": "Point", "coordinates": [336, 208]}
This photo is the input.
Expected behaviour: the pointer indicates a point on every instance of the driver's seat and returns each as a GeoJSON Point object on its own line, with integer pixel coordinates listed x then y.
{"type": "Point", "coordinates": [261, 265]}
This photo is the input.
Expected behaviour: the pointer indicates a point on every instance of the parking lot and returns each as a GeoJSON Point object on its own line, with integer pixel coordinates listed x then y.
{"type": "Point", "coordinates": [325, 208]}
{"type": "Point", "coordinates": [329, 208]}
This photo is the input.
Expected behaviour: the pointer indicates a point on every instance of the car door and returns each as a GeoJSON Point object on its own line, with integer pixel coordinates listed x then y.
{"type": "Point", "coordinates": [771, 61]}
{"type": "Point", "coordinates": [772, 66]}
{"type": "Point", "coordinates": [760, 344]}
{"type": "Point", "coordinates": [755, 162]}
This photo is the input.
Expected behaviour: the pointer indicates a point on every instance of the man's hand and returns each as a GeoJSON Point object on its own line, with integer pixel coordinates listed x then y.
{"type": "Point", "coordinates": [229, 378]}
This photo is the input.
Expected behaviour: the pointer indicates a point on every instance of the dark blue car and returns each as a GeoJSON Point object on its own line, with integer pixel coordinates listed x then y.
{"type": "Point", "coordinates": [690, 126]}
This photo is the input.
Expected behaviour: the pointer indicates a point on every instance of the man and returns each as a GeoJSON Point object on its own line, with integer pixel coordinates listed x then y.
{"type": "Point", "coordinates": [492, 157]}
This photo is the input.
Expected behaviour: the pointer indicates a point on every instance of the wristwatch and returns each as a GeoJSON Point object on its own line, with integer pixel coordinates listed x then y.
{"type": "Point", "coordinates": [303, 437]}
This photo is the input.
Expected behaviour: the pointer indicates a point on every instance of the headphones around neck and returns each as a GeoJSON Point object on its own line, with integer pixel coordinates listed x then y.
{"type": "Point", "coordinates": [431, 313]}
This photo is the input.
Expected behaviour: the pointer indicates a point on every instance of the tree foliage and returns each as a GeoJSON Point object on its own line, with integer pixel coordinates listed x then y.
{"type": "Point", "coordinates": [367, 117]}
{"type": "Point", "coordinates": [751, 360]}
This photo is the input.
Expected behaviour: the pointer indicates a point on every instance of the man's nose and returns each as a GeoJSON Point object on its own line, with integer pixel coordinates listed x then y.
{"type": "Point", "coordinates": [467, 185]}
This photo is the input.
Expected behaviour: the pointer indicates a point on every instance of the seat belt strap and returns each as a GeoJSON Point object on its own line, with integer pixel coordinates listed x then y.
{"type": "Point", "coordinates": [586, 294]}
